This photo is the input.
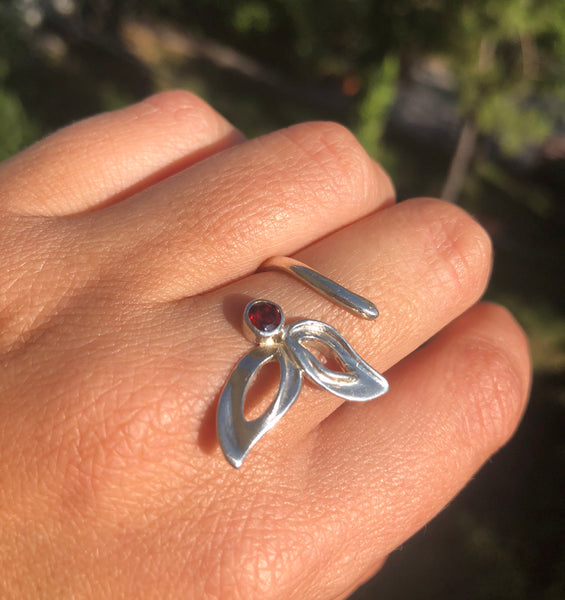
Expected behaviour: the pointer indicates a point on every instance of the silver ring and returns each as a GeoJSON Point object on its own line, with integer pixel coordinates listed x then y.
{"type": "Point", "coordinates": [264, 324]}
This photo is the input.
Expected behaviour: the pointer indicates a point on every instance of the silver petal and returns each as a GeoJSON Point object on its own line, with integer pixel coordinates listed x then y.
{"type": "Point", "coordinates": [359, 382]}
{"type": "Point", "coordinates": [237, 435]}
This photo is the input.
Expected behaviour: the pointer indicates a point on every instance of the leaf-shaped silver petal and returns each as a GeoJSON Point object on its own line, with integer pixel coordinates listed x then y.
{"type": "Point", "coordinates": [237, 435]}
{"type": "Point", "coordinates": [359, 381]}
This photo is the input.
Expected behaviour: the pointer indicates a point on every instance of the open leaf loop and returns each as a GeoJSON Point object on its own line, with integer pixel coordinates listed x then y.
{"type": "Point", "coordinates": [358, 382]}
{"type": "Point", "coordinates": [236, 434]}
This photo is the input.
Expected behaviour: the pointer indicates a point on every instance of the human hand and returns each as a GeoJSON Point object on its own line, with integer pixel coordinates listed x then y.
{"type": "Point", "coordinates": [127, 261]}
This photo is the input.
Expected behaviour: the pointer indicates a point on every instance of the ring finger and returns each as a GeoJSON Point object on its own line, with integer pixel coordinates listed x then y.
{"type": "Point", "coordinates": [423, 262]}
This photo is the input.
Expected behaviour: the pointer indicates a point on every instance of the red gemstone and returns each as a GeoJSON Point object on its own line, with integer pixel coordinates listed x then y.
{"type": "Point", "coordinates": [264, 316]}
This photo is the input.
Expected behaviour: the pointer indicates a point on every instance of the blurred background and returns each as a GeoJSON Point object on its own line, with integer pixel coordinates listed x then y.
{"type": "Point", "coordinates": [463, 99]}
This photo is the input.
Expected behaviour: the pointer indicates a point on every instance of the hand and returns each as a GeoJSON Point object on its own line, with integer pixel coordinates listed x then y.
{"type": "Point", "coordinates": [127, 261]}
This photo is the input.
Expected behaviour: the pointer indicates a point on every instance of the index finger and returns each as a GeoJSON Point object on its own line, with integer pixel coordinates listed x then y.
{"type": "Point", "coordinates": [111, 156]}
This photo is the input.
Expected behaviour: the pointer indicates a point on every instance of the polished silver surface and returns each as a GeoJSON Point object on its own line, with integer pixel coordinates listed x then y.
{"type": "Point", "coordinates": [237, 435]}
{"type": "Point", "coordinates": [356, 380]}
{"type": "Point", "coordinates": [352, 302]}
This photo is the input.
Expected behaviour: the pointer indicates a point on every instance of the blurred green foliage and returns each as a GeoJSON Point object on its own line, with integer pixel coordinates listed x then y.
{"type": "Point", "coordinates": [503, 53]}
{"type": "Point", "coordinates": [374, 108]}
{"type": "Point", "coordinates": [17, 128]}
{"type": "Point", "coordinates": [498, 64]}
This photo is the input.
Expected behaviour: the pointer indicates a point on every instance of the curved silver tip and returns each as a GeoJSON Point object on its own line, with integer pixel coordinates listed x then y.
{"type": "Point", "coordinates": [354, 303]}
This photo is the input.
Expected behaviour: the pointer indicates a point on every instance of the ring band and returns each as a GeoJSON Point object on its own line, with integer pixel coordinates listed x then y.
{"type": "Point", "coordinates": [324, 285]}
{"type": "Point", "coordinates": [263, 323]}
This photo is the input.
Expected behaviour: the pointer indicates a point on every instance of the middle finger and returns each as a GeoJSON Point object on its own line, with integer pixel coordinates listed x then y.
{"type": "Point", "coordinates": [214, 222]}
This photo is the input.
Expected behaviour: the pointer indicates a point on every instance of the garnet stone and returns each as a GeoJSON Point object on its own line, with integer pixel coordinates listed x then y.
{"type": "Point", "coordinates": [264, 316]}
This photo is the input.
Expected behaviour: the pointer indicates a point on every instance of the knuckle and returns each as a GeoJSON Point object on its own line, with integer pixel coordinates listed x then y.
{"type": "Point", "coordinates": [341, 164]}
{"type": "Point", "coordinates": [173, 100]}
{"type": "Point", "coordinates": [459, 249]}
{"type": "Point", "coordinates": [182, 106]}
{"type": "Point", "coordinates": [497, 390]}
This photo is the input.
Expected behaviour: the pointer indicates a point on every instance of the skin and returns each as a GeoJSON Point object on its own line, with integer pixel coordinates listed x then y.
{"type": "Point", "coordinates": [129, 243]}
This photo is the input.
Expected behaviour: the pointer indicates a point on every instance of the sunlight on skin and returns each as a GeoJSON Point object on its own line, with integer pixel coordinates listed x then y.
{"type": "Point", "coordinates": [126, 263]}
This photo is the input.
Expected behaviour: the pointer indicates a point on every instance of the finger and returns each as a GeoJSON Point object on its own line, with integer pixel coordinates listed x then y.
{"type": "Point", "coordinates": [111, 156]}
{"type": "Point", "coordinates": [423, 262]}
{"type": "Point", "coordinates": [384, 469]}
{"type": "Point", "coordinates": [129, 415]}
{"type": "Point", "coordinates": [219, 220]}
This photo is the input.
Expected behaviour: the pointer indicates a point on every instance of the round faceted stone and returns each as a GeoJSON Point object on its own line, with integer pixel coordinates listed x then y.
{"type": "Point", "coordinates": [264, 316]}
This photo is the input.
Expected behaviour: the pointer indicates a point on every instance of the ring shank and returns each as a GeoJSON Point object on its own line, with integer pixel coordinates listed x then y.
{"type": "Point", "coordinates": [354, 303]}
